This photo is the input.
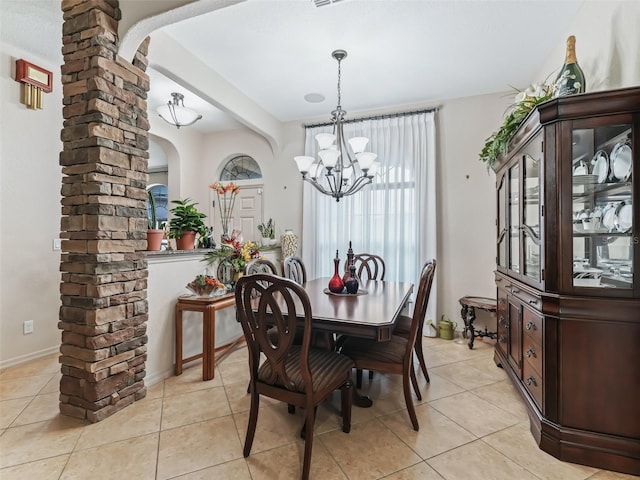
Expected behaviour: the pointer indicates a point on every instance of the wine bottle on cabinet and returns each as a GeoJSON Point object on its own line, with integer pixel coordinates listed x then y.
{"type": "Point", "coordinates": [570, 80]}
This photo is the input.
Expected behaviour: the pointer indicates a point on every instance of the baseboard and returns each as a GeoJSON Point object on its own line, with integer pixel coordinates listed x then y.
{"type": "Point", "coordinates": [157, 377]}
{"type": "Point", "coordinates": [12, 362]}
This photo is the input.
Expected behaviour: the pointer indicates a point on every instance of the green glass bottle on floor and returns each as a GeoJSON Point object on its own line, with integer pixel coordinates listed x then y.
{"type": "Point", "coordinates": [570, 80]}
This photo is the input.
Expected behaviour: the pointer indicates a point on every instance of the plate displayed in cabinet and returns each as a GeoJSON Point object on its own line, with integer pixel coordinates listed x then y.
{"type": "Point", "coordinates": [608, 217]}
{"type": "Point", "coordinates": [621, 161]}
{"type": "Point", "coordinates": [601, 166]}
{"type": "Point", "coordinates": [623, 219]}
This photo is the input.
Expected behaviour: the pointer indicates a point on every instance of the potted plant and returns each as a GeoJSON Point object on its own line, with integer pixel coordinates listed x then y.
{"type": "Point", "coordinates": [185, 223]}
{"type": "Point", "coordinates": [267, 230]}
{"type": "Point", "coordinates": [154, 235]}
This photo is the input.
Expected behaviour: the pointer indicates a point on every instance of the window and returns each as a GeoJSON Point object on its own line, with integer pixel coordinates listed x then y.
{"type": "Point", "coordinates": [160, 195]}
{"type": "Point", "coordinates": [241, 167]}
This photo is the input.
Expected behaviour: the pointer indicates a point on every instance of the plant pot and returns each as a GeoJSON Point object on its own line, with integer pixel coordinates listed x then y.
{"type": "Point", "coordinates": [187, 241]}
{"type": "Point", "coordinates": [154, 240]}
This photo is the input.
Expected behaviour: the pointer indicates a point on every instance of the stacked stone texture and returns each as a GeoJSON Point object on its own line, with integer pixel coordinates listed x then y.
{"type": "Point", "coordinates": [104, 308]}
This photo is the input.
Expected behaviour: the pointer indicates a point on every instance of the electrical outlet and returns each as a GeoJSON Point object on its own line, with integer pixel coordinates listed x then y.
{"type": "Point", "coordinates": [57, 244]}
{"type": "Point", "coordinates": [27, 327]}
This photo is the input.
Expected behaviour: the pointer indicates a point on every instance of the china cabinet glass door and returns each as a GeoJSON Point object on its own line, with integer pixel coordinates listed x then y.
{"type": "Point", "coordinates": [602, 207]}
{"type": "Point", "coordinates": [531, 218]}
{"type": "Point", "coordinates": [502, 222]}
{"type": "Point", "coordinates": [514, 218]}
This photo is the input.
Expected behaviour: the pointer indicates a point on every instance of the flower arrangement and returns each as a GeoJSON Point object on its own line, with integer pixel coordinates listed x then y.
{"type": "Point", "coordinates": [205, 285]}
{"type": "Point", "coordinates": [236, 253]}
{"type": "Point", "coordinates": [226, 200]}
{"type": "Point", "coordinates": [525, 101]}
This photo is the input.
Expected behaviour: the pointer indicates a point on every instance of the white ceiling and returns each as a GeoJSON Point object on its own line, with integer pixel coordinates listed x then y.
{"type": "Point", "coordinates": [400, 52]}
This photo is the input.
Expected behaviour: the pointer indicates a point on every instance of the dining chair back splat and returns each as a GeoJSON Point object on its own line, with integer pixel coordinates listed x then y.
{"type": "Point", "coordinates": [295, 374]}
{"type": "Point", "coordinates": [369, 266]}
{"type": "Point", "coordinates": [294, 269]}
{"type": "Point", "coordinates": [403, 329]}
{"type": "Point", "coordinates": [395, 355]}
{"type": "Point", "coordinates": [260, 265]}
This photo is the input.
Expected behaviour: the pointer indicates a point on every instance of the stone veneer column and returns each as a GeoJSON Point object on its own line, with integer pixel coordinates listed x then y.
{"type": "Point", "coordinates": [104, 164]}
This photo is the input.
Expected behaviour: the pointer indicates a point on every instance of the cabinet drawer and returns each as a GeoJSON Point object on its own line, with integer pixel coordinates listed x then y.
{"type": "Point", "coordinates": [533, 383]}
{"type": "Point", "coordinates": [532, 353]}
{"type": "Point", "coordinates": [532, 325]}
{"type": "Point", "coordinates": [527, 298]}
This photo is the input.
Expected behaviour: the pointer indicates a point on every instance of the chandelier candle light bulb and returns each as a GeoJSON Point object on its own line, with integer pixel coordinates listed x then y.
{"type": "Point", "coordinates": [348, 166]}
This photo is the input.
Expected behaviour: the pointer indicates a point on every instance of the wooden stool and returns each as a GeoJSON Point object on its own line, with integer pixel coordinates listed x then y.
{"type": "Point", "coordinates": [468, 313]}
{"type": "Point", "coordinates": [208, 308]}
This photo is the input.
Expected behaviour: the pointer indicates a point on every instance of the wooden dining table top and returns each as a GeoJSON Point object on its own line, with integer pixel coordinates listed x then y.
{"type": "Point", "coordinates": [371, 315]}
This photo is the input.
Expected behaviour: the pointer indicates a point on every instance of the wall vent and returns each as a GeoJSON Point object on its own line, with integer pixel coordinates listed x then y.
{"type": "Point", "coordinates": [322, 3]}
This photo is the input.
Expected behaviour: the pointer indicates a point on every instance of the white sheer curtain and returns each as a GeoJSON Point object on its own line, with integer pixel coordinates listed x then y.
{"type": "Point", "coordinates": [395, 217]}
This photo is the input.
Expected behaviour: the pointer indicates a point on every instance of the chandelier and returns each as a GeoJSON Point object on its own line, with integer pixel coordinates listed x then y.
{"type": "Point", "coordinates": [175, 113]}
{"type": "Point", "coordinates": [348, 168]}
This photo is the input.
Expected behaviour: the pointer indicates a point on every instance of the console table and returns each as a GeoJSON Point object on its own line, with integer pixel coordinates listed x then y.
{"type": "Point", "coordinates": [208, 308]}
{"type": "Point", "coordinates": [468, 313]}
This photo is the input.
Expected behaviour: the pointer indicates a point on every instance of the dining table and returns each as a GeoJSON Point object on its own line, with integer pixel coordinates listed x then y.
{"type": "Point", "coordinates": [369, 313]}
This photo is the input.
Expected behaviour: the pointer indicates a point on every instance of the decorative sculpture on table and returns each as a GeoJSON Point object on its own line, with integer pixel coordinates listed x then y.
{"type": "Point", "coordinates": [336, 285]}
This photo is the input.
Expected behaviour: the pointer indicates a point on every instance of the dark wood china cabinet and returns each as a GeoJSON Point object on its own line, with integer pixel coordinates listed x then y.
{"type": "Point", "coordinates": [568, 275]}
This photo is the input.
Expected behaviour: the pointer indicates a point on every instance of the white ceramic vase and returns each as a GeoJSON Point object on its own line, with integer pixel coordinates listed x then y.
{"type": "Point", "coordinates": [289, 243]}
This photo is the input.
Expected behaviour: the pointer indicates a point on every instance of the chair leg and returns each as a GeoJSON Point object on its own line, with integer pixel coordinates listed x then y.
{"type": "Point", "coordinates": [347, 400]}
{"type": "Point", "coordinates": [418, 349]}
{"type": "Point", "coordinates": [253, 420]}
{"type": "Point", "coordinates": [409, 400]}
{"type": "Point", "coordinates": [308, 442]}
{"type": "Point", "coordinates": [414, 382]}
{"type": "Point", "coordinates": [359, 378]}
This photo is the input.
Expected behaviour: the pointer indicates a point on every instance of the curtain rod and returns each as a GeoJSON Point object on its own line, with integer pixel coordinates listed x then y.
{"type": "Point", "coordinates": [376, 117]}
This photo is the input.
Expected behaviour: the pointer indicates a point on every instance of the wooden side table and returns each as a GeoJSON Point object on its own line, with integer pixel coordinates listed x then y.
{"type": "Point", "coordinates": [208, 308]}
{"type": "Point", "coordinates": [468, 313]}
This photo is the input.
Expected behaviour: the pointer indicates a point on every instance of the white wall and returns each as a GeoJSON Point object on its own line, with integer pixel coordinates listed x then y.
{"type": "Point", "coordinates": [466, 200]}
{"type": "Point", "coordinates": [29, 213]}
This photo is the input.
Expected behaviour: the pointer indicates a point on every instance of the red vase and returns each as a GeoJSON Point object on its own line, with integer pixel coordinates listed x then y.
{"type": "Point", "coordinates": [336, 285]}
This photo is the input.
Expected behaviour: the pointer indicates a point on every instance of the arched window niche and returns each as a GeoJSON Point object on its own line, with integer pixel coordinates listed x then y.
{"type": "Point", "coordinates": [240, 167]}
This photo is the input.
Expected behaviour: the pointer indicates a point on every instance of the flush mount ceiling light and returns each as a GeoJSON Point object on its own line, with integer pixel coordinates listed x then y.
{"type": "Point", "coordinates": [175, 113]}
{"type": "Point", "coordinates": [348, 168]}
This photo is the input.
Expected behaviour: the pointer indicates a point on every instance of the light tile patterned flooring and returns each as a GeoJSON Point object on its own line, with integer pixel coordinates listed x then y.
{"type": "Point", "coordinates": [473, 425]}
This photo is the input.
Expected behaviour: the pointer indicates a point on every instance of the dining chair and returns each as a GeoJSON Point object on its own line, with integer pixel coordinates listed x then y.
{"type": "Point", "coordinates": [374, 268]}
{"type": "Point", "coordinates": [369, 266]}
{"type": "Point", "coordinates": [403, 329]}
{"type": "Point", "coordinates": [299, 375]}
{"type": "Point", "coordinates": [294, 269]}
{"type": "Point", "coordinates": [260, 265]}
{"type": "Point", "coordinates": [396, 354]}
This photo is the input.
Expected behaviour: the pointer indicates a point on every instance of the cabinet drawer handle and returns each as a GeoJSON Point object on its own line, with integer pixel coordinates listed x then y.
{"type": "Point", "coordinates": [502, 339]}
{"type": "Point", "coordinates": [501, 320]}
{"type": "Point", "coordinates": [530, 352]}
{"type": "Point", "coordinates": [515, 290]}
{"type": "Point", "coordinates": [530, 325]}
{"type": "Point", "coordinates": [532, 302]}
{"type": "Point", "coordinates": [531, 381]}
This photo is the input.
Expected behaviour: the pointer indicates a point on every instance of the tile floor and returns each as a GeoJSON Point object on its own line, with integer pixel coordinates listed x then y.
{"type": "Point", "coordinates": [472, 426]}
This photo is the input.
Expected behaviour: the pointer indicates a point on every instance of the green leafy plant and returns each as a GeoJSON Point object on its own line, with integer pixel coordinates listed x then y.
{"type": "Point", "coordinates": [151, 211]}
{"type": "Point", "coordinates": [526, 100]}
{"type": "Point", "coordinates": [186, 217]}
{"type": "Point", "coordinates": [268, 230]}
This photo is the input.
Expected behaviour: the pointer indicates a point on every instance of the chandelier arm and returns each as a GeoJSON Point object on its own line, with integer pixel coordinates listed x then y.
{"type": "Point", "coordinates": [358, 185]}
{"type": "Point", "coordinates": [317, 186]}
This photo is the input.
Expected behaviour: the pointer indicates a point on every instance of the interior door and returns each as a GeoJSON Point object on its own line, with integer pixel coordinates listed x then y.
{"type": "Point", "coordinates": [247, 212]}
